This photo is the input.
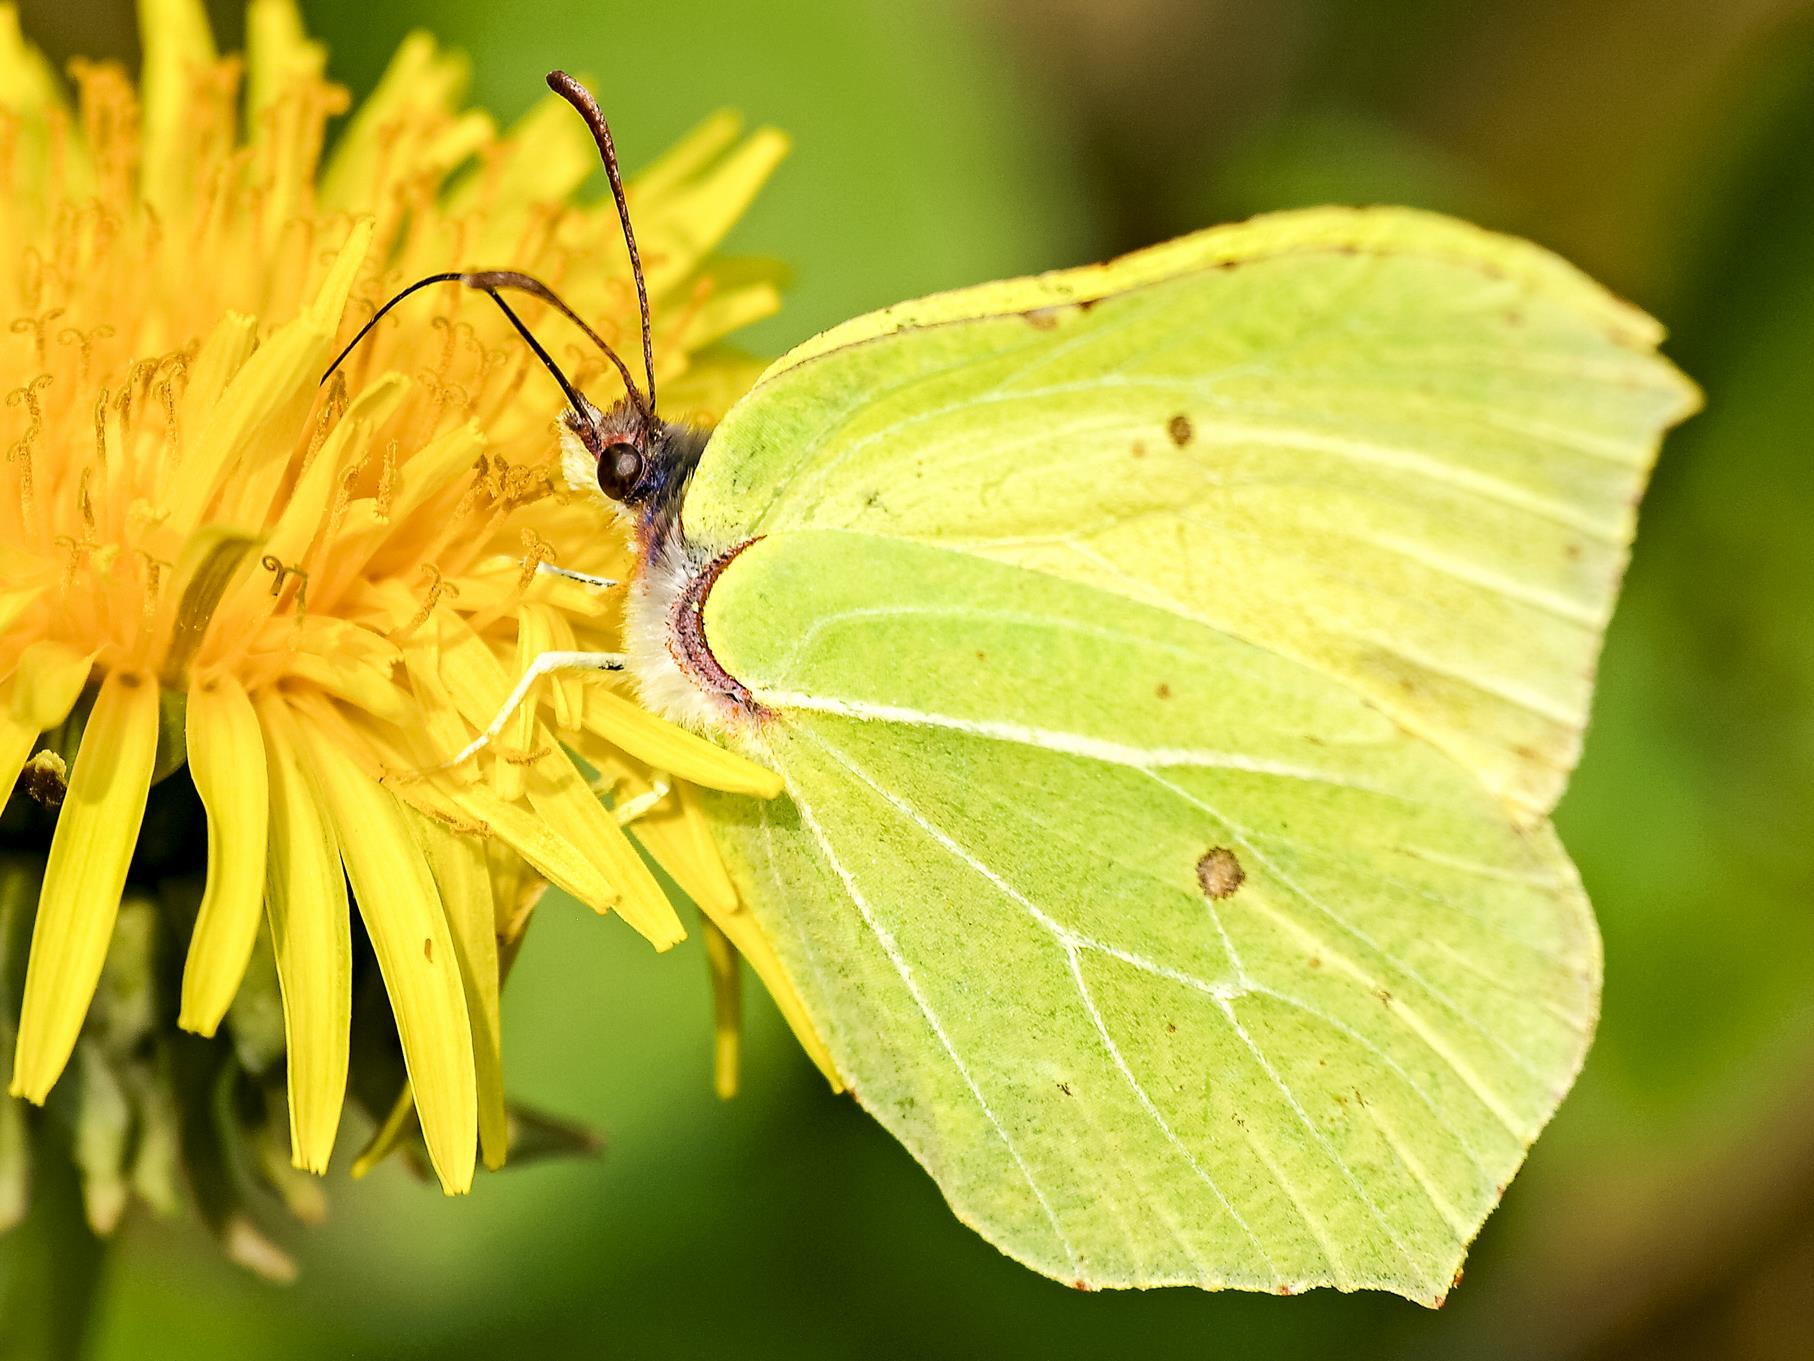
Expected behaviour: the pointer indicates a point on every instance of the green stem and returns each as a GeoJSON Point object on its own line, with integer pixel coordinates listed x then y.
{"type": "Point", "coordinates": [51, 1265]}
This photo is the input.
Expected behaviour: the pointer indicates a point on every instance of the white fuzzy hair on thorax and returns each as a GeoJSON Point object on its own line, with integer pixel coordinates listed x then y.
{"type": "Point", "coordinates": [655, 595]}
{"type": "Point", "coordinates": [666, 565]}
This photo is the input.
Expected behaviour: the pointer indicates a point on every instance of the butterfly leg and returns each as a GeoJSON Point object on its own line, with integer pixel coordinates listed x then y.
{"type": "Point", "coordinates": [548, 569]}
{"type": "Point", "coordinates": [544, 665]}
{"type": "Point", "coordinates": [631, 809]}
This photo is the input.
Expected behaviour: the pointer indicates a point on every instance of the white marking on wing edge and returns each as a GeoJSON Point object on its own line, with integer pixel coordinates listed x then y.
{"type": "Point", "coordinates": [885, 939]}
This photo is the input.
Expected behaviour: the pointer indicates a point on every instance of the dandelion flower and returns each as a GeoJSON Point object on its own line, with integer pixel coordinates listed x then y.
{"type": "Point", "coordinates": [291, 596]}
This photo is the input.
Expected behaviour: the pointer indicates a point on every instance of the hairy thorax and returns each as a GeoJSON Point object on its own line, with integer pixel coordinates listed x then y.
{"type": "Point", "coordinates": [665, 645]}
{"type": "Point", "coordinates": [665, 648]}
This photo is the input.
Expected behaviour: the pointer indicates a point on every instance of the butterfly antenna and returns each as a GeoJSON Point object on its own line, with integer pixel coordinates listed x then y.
{"type": "Point", "coordinates": [378, 316]}
{"type": "Point", "coordinates": [577, 95]}
{"type": "Point", "coordinates": [489, 282]}
{"type": "Point", "coordinates": [574, 400]}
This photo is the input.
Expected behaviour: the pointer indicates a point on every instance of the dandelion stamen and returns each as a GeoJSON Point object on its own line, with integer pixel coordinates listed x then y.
{"type": "Point", "coordinates": [437, 587]}
{"type": "Point", "coordinates": [37, 327]}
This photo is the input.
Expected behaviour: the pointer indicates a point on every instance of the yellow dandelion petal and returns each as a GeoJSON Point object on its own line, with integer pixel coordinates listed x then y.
{"type": "Point", "coordinates": [401, 907]}
{"type": "Point", "coordinates": [626, 724]}
{"type": "Point", "coordinates": [311, 501]}
{"type": "Point", "coordinates": [534, 636]}
{"type": "Point", "coordinates": [222, 354]}
{"type": "Point", "coordinates": [227, 762]}
{"type": "Point", "coordinates": [305, 902]}
{"type": "Point", "coordinates": [266, 400]}
{"type": "Point", "coordinates": [709, 202]}
{"type": "Point", "coordinates": [178, 42]}
{"type": "Point", "coordinates": [683, 845]}
{"type": "Point", "coordinates": [17, 736]}
{"type": "Point", "coordinates": [29, 88]}
{"type": "Point", "coordinates": [27, 81]}
{"type": "Point", "coordinates": [398, 1124]}
{"type": "Point", "coordinates": [278, 51]}
{"type": "Point", "coordinates": [83, 877]}
{"type": "Point", "coordinates": [350, 663]}
{"type": "Point", "coordinates": [474, 808]}
{"type": "Point", "coordinates": [49, 678]}
{"type": "Point", "coordinates": [464, 880]}
{"type": "Point", "coordinates": [561, 798]}
{"type": "Point", "coordinates": [14, 601]}
{"type": "Point", "coordinates": [542, 628]}
{"type": "Point", "coordinates": [564, 801]}
{"type": "Point", "coordinates": [211, 559]}
{"type": "Point", "coordinates": [383, 140]}
{"type": "Point", "coordinates": [727, 1010]}
{"type": "Point", "coordinates": [708, 140]}
{"type": "Point", "coordinates": [563, 159]}
{"type": "Point", "coordinates": [676, 834]}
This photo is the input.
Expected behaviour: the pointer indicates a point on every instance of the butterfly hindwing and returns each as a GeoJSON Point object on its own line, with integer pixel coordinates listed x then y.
{"type": "Point", "coordinates": [1172, 959]}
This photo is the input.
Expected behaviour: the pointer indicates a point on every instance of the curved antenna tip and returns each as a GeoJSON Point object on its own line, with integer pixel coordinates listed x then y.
{"type": "Point", "coordinates": [586, 106]}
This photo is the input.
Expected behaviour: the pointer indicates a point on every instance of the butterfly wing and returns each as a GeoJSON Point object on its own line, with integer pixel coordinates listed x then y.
{"type": "Point", "coordinates": [1400, 449]}
{"type": "Point", "coordinates": [1170, 665]}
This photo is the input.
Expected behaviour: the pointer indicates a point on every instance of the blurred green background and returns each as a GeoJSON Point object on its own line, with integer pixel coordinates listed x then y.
{"type": "Point", "coordinates": [1667, 146]}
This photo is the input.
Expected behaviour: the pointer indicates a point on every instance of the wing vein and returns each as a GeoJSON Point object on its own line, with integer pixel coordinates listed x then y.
{"type": "Point", "coordinates": [885, 938]}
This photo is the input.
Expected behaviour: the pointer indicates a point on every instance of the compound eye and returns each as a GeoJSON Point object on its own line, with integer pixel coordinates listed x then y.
{"type": "Point", "coordinates": [619, 470]}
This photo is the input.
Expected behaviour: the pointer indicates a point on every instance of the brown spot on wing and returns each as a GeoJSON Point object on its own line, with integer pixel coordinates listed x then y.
{"type": "Point", "coordinates": [1040, 318]}
{"type": "Point", "coordinates": [1219, 873]}
{"type": "Point", "coordinates": [1178, 428]}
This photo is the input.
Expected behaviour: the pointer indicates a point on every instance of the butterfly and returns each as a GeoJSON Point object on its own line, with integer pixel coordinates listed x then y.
{"type": "Point", "coordinates": [1170, 666]}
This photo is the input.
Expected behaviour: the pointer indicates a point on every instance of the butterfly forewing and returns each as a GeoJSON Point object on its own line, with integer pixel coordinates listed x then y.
{"type": "Point", "coordinates": [1399, 449]}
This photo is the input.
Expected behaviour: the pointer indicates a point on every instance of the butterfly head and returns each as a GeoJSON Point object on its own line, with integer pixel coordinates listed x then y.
{"type": "Point", "coordinates": [637, 461]}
